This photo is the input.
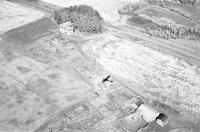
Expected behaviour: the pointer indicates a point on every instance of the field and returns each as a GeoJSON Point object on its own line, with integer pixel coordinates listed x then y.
{"type": "Point", "coordinates": [39, 80]}
{"type": "Point", "coordinates": [172, 22]}
{"type": "Point", "coordinates": [150, 73]}
{"type": "Point", "coordinates": [45, 85]}
{"type": "Point", "coordinates": [53, 82]}
{"type": "Point", "coordinates": [142, 23]}
{"type": "Point", "coordinates": [164, 17]}
{"type": "Point", "coordinates": [13, 15]}
{"type": "Point", "coordinates": [187, 11]}
{"type": "Point", "coordinates": [30, 32]}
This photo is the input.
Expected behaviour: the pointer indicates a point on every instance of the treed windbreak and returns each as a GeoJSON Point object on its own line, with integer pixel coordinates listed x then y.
{"type": "Point", "coordinates": [85, 18]}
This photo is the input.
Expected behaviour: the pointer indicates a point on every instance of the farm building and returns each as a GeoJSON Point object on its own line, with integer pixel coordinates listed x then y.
{"type": "Point", "coordinates": [162, 119]}
{"type": "Point", "coordinates": [148, 113]}
{"type": "Point", "coordinates": [67, 28]}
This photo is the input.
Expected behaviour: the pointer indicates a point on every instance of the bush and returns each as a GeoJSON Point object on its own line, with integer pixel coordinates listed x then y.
{"type": "Point", "coordinates": [85, 18]}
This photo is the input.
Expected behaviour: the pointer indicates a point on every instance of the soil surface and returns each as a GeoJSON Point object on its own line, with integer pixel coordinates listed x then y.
{"type": "Point", "coordinates": [53, 82]}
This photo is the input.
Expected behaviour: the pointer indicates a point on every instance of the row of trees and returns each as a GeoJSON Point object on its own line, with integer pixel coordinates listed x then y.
{"type": "Point", "coordinates": [192, 2]}
{"type": "Point", "coordinates": [160, 2]}
{"type": "Point", "coordinates": [164, 32]}
{"type": "Point", "coordinates": [27, 0]}
{"type": "Point", "coordinates": [172, 32]}
{"type": "Point", "coordinates": [85, 18]}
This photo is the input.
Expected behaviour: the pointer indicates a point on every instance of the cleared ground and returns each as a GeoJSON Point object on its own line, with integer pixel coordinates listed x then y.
{"type": "Point", "coordinates": [39, 80]}
{"type": "Point", "coordinates": [13, 15]}
{"type": "Point", "coordinates": [51, 84]}
{"type": "Point", "coordinates": [149, 72]}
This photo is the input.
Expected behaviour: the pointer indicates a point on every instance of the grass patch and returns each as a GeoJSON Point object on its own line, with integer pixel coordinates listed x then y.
{"type": "Point", "coordinates": [141, 22]}
{"type": "Point", "coordinates": [30, 32]}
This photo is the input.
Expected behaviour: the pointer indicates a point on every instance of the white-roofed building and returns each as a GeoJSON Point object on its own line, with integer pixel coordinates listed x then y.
{"type": "Point", "coordinates": [67, 28]}
{"type": "Point", "coordinates": [148, 113]}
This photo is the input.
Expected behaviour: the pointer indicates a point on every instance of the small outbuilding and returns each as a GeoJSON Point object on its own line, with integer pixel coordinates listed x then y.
{"type": "Point", "coordinates": [148, 113]}
{"type": "Point", "coordinates": [162, 119]}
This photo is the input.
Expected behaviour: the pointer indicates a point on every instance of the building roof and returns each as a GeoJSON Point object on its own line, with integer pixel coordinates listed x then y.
{"type": "Point", "coordinates": [67, 25]}
{"type": "Point", "coordinates": [162, 117]}
{"type": "Point", "coordinates": [149, 114]}
{"type": "Point", "coordinates": [162, 120]}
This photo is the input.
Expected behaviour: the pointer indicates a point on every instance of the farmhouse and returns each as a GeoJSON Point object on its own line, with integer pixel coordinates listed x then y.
{"type": "Point", "coordinates": [67, 28]}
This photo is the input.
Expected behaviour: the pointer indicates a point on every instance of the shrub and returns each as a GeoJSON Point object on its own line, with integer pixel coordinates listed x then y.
{"type": "Point", "coordinates": [85, 18]}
